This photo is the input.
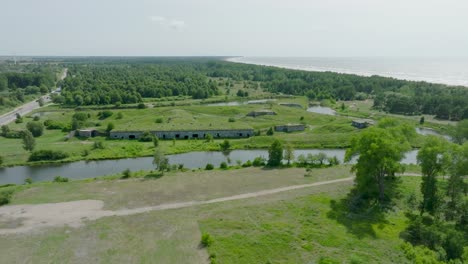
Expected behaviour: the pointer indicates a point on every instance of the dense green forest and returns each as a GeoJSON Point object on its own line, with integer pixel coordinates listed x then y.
{"type": "Point", "coordinates": [17, 82]}
{"type": "Point", "coordinates": [128, 80]}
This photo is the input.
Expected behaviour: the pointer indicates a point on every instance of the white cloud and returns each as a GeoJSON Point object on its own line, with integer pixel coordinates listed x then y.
{"type": "Point", "coordinates": [158, 19]}
{"type": "Point", "coordinates": [167, 22]}
{"type": "Point", "coordinates": [177, 24]}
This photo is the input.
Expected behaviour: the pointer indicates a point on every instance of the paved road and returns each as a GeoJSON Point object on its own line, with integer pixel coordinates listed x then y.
{"type": "Point", "coordinates": [28, 107]}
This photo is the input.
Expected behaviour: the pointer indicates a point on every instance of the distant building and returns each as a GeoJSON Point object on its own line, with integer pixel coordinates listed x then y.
{"type": "Point", "coordinates": [185, 134]}
{"type": "Point", "coordinates": [87, 133]}
{"type": "Point", "coordinates": [291, 105]}
{"type": "Point", "coordinates": [363, 123]}
{"type": "Point", "coordinates": [290, 128]}
{"type": "Point", "coordinates": [261, 113]}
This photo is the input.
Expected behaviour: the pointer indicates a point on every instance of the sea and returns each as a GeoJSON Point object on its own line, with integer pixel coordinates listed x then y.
{"type": "Point", "coordinates": [444, 70]}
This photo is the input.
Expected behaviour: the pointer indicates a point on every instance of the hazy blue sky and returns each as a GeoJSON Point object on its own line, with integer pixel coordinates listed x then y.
{"type": "Point", "coordinates": [235, 27]}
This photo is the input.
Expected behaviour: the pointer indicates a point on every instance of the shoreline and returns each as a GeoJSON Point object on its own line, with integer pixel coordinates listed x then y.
{"type": "Point", "coordinates": [346, 71]}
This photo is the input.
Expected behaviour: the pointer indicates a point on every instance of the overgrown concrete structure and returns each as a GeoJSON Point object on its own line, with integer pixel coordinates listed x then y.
{"type": "Point", "coordinates": [261, 113]}
{"type": "Point", "coordinates": [290, 128]}
{"type": "Point", "coordinates": [185, 134]}
{"type": "Point", "coordinates": [362, 123]}
{"type": "Point", "coordinates": [291, 105]}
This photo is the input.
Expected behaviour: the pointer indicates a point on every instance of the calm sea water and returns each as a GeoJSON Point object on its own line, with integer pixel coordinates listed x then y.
{"type": "Point", "coordinates": [452, 71]}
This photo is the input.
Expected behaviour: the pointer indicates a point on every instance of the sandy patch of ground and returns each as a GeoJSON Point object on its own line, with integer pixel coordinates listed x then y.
{"type": "Point", "coordinates": [27, 218]}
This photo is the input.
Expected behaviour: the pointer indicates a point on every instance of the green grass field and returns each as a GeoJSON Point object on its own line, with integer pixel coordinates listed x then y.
{"type": "Point", "coordinates": [295, 226]}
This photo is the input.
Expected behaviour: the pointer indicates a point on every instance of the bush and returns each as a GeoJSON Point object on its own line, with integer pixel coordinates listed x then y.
{"type": "Point", "coordinates": [28, 181]}
{"type": "Point", "coordinates": [231, 119]}
{"type": "Point", "coordinates": [206, 240]}
{"type": "Point", "coordinates": [209, 166]}
{"type": "Point", "coordinates": [247, 164]}
{"type": "Point", "coordinates": [52, 124]}
{"type": "Point", "coordinates": [98, 145]}
{"type": "Point", "coordinates": [270, 132]}
{"type": "Point", "coordinates": [223, 165]}
{"type": "Point", "coordinates": [258, 162]}
{"type": "Point", "coordinates": [146, 137]}
{"type": "Point", "coordinates": [141, 106]}
{"type": "Point", "coordinates": [60, 179]}
{"type": "Point", "coordinates": [119, 115]}
{"type": "Point", "coordinates": [39, 155]}
{"type": "Point", "coordinates": [36, 128]}
{"type": "Point", "coordinates": [126, 174]}
{"type": "Point", "coordinates": [225, 145]}
{"type": "Point", "coordinates": [110, 126]}
{"type": "Point", "coordinates": [5, 196]}
{"type": "Point", "coordinates": [36, 118]}
{"type": "Point", "coordinates": [159, 120]}
{"type": "Point", "coordinates": [105, 114]}
{"type": "Point", "coordinates": [1, 160]}
{"type": "Point", "coordinates": [80, 116]}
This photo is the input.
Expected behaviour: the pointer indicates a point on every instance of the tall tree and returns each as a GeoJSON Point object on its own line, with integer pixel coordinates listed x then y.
{"type": "Point", "coordinates": [275, 153]}
{"type": "Point", "coordinates": [456, 186]}
{"type": "Point", "coordinates": [432, 158]}
{"type": "Point", "coordinates": [28, 140]}
{"type": "Point", "coordinates": [380, 152]}
{"type": "Point", "coordinates": [160, 160]}
{"type": "Point", "coordinates": [288, 153]}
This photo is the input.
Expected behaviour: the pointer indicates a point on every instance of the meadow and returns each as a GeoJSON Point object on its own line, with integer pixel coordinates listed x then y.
{"type": "Point", "coordinates": [296, 226]}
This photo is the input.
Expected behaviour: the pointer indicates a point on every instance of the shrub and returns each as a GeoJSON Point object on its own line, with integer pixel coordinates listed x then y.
{"type": "Point", "coordinates": [270, 132]}
{"type": "Point", "coordinates": [141, 106]}
{"type": "Point", "coordinates": [258, 162]}
{"type": "Point", "coordinates": [159, 120]}
{"type": "Point", "coordinates": [209, 166]}
{"type": "Point", "coordinates": [98, 145]}
{"type": "Point", "coordinates": [126, 174]}
{"type": "Point", "coordinates": [223, 165]}
{"type": "Point", "coordinates": [36, 128]}
{"type": "Point", "coordinates": [39, 155]}
{"type": "Point", "coordinates": [60, 179]}
{"type": "Point", "coordinates": [1, 160]}
{"type": "Point", "coordinates": [5, 196]}
{"type": "Point", "coordinates": [206, 240]}
{"type": "Point", "coordinates": [52, 124]}
{"type": "Point", "coordinates": [225, 145]}
{"type": "Point", "coordinates": [231, 119]}
{"type": "Point", "coordinates": [105, 114]}
{"type": "Point", "coordinates": [27, 181]}
{"type": "Point", "coordinates": [209, 138]}
{"type": "Point", "coordinates": [119, 115]}
{"type": "Point", "coordinates": [146, 137]}
{"type": "Point", "coordinates": [80, 116]}
{"type": "Point", "coordinates": [36, 118]}
{"type": "Point", "coordinates": [85, 153]}
{"type": "Point", "coordinates": [110, 126]}
{"type": "Point", "coordinates": [247, 164]}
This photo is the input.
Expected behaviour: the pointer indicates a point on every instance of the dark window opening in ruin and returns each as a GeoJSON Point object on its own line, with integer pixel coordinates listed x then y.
{"type": "Point", "coordinates": [122, 137]}
{"type": "Point", "coordinates": [195, 135]}
{"type": "Point", "coordinates": [240, 134]}
{"type": "Point", "coordinates": [164, 136]}
{"type": "Point", "coordinates": [131, 137]}
{"type": "Point", "coordinates": [185, 137]}
{"type": "Point", "coordinates": [217, 134]}
{"type": "Point", "coordinates": [177, 136]}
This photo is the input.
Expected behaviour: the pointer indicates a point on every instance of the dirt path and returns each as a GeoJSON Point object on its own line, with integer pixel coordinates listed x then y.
{"type": "Point", "coordinates": [26, 218]}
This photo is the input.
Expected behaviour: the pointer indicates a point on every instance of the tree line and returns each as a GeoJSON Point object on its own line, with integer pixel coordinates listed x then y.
{"type": "Point", "coordinates": [128, 80]}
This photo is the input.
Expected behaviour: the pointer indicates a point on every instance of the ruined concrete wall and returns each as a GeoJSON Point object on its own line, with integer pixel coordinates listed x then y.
{"type": "Point", "coordinates": [235, 133]}
{"type": "Point", "coordinates": [289, 128]}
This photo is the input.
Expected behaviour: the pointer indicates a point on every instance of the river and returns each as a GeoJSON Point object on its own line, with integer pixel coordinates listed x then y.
{"type": "Point", "coordinates": [191, 160]}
